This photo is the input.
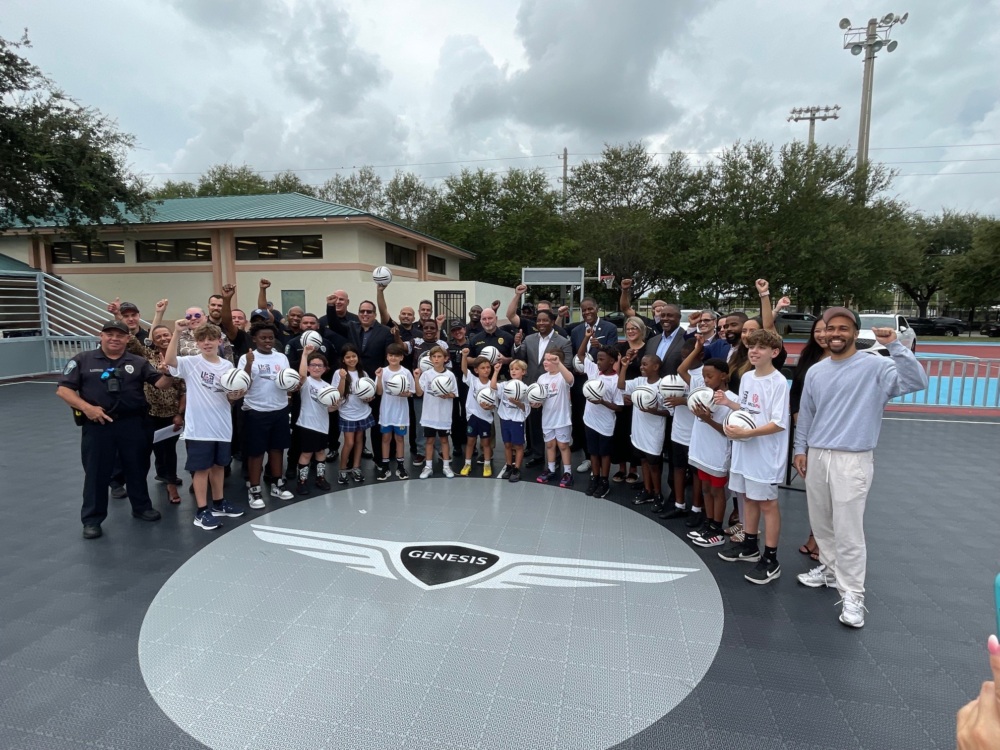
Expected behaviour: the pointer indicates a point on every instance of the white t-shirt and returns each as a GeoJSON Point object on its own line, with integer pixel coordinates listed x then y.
{"type": "Point", "coordinates": [312, 414]}
{"type": "Point", "coordinates": [680, 429]}
{"type": "Point", "coordinates": [352, 408]}
{"type": "Point", "coordinates": [437, 411]}
{"type": "Point", "coordinates": [395, 410]}
{"type": "Point", "coordinates": [555, 410]}
{"type": "Point", "coordinates": [506, 409]}
{"type": "Point", "coordinates": [208, 415]}
{"type": "Point", "coordinates": [597, 416]}
{"type": "Point", "coordinates": [763, 459]}
{"type": "Point", "coordinates": [264, 393]}
{"type": "Point", "coordinates": [472, 406]}
{"type": "Point", "coordinates": [647, 429]}
{"type": "Point", "coordinates": [710, 450]}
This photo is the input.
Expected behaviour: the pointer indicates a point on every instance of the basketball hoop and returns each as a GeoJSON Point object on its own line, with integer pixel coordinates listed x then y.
{"type": "Point", "coordinates": [608, 280]}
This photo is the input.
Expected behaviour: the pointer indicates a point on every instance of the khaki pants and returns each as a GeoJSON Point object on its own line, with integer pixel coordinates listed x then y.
{"type": "Point", "coordinates": [837, 484]}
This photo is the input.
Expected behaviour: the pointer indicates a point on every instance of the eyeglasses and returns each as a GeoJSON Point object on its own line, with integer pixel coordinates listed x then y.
{"type": "Point", "coordinates": [631, 328]}
{"type": "Point", "coordinates": [193, 316]}
{"type": "Point", "coordinates": [315, 364]}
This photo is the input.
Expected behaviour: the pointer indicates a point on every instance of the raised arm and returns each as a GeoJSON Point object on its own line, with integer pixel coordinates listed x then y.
{"type": "Point", "coordinates": [161, 308]}
{"type": "Point", "coordinates": [383, 309]}
{"type": "Point", "coordinates": [625, 300]}
{"type": "Point", "coordinates": [228, 326]}
{"type": "Point", "coordinates": [170, 356]}
{"type": "Point", "coordinates": [512, 308]}
{"type": "Point", "coordinates": [683, 369]}
{"type": "Point", "coordinates": [766, 313]}
{"type": "Point", "coordinates": [262, 288]}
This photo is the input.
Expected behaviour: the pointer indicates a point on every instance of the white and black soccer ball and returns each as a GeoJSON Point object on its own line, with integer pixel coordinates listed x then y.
{"type": "Point", "coordinates": [393, 385]}
{"type": "Point", "coordinates": [424, 364]}
{"type": "Point", "coordinates": [671, 386]}
{"type": "Point", "coordinates": [703, 396]}
{"type": "Point", "coordinates": [645, 398]}
{"type": "Point", "coordinates": [740, 419]}
{"type": "Point", "coordinates": [487, 398]}
{"type": "Point", "coordinates": [365, 389]}
{"type": "Point", "coordinates": [441, 386]}
{"type": "Point", "coordinates": [328, 396]}
{"type": "Point", "coordinates": [382, 276]}
{"type": "Point", "coordinates": [311, 338]}
{"type": "Point", "coordinates": [287, 379]}
{"type": "Point", "coordinates": [593, 390]}
{"type": "Point", "coordinates": [236, 380]}
{"type": "Point", "coordinates": [491, 353]}
{"type": "Point", "coordinates": [514, 390]}
{"type": "Point", "coordinates": [536, 394]}
{"type": "Point", "coordinates": [578, 365]}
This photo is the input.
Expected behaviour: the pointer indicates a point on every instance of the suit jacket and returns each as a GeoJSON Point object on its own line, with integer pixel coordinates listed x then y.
{"type": "Point", "coordinates": [672, 359]}
{"type": "Point", "coordinates": [605, 334]}
{"type": "Point", "coordinates": [528, 351]}
{"type": "Point", "coordinates": [372, 353]}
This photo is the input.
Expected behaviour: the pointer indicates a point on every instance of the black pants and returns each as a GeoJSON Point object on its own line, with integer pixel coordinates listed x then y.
{"type": "Point", "coordinates": [165, 451]}
{"type": "Point", "coordinates": [127, 438]}
{"type": "Point", "coordinates": [459, 420]}
{"type": "Point", "coordinates": [295, 447]}
{"type": "Point", "coordinates": [536, 441]}
{"type": "Point", "coordinates": [577, 403]}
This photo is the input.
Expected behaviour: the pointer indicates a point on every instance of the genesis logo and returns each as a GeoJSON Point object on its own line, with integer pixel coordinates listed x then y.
{"type": "Point", "coordinates": [435, 565]}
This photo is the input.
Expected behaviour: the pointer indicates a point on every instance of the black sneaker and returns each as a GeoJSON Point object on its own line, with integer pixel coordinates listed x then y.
{"type": "Point", "coordinates": [673, 513]}
{"type": "Point", "coordinates": [658, 507]}
{"type": "Point", "coordinates": [709, 538]}
{"type": "Point", "coordinates": [358, 476]}
{"type": "Point", "coordinates": [695, 519]}
{"type": "Point", "coordinates": [515, 476]}
{"type": "Point", "coordinates": [595, 482]}
{"type": "Point", "coordinates": [381, 472]}
{"type": "Point", "coordinates": [700, 531]}
{"type": "Point", "coordinates": [118, 491]}
{"type": "Point", "coordinates": [401, 472]}
{"type": "Point", "coordinates": [302, 488]}
{"type": "Point", "coordinates": [322, 484]}
{"type": "Point", "coordinates": [603, 489]}
{"type": "Point", "coordinates": [742, 552]}
{"type": "Point", "coordinates": [342, 478]}
{"type": "Point", "coordinates": [764, 571]}
{"type": "Point", "coordinates": [418, 459]}
{"type": "Point", "coordinates": [642, 498]}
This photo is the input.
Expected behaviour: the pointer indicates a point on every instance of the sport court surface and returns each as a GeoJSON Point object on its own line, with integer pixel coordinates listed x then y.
{"type": "Point", "coordinates": [786, 674]}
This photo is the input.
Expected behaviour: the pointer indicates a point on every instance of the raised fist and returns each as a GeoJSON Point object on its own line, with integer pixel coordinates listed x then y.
{"type": "Point", "coordinates": [520, 289]}
{"type": "Point", "coordinates": [161, 306]}
{"type": "Point", "coordinates": [114, 305]}
{"type": "Point", "coordinates": [228, 290]}
{"type": "Point", "coordinates": [265, 284]}
{"type": "Point", "coordinates": [762, 286]}
{"type": "Point", "coordinates": [518, 337]}
{"type": "Point", "coordinates": [495, 305]}
{"type": "Point", "coordinates": [626, 284]}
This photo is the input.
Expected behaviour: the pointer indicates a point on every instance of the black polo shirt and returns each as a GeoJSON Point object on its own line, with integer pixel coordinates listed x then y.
{"type": "Point", "coordinates": [329, 349]}
{"type": "Point", "coordinates": [501, 338]}
{"type": "Point", "coordinates": [86, 372]}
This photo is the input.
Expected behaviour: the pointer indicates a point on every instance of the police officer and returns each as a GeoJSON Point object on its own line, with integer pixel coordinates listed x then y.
{"type": "Point", "coordinates": [104, 388]}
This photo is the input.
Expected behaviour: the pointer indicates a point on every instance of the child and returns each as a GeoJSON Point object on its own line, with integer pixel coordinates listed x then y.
{"type": "Point", "coordinates": [710, 450]}
{"type": "Point", "coordinates": [680, 442]}
{"type": "Point", "coordinates": [476, 374]}
{"type": "Point", "coordinates": [648, 426]}
{"type": "Point", "coordinates": [599, 416]}
{"type": "Point", "coordinates": [266, 414]}
{"type": "Point", "coordinates": [512, 414]}
{"type": "Point", "coordinates": [435, 418]}
{"type": "Point", "coordinates": [557, 423]}
{"type": "Point", "coordinates": [313, 424]}
{"type": "Point", "coordinates": [355, 414]}
{"type": "Point", "coordinates": [759, 462]}
{"type": "Point", "coordinates": [208, 422]}
{"type": "Point", "coordinates": [394, 414]}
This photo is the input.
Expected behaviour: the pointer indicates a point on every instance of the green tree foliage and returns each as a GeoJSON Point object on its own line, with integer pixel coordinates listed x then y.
{"type": "Point", "coordinates": [362, 190]}
{"type": "Point", "coordinates": [408, 200]}
{"type": "Point", "coordinates": [60, 162]}
{"type": "Point", "coordinates": [973, 278]}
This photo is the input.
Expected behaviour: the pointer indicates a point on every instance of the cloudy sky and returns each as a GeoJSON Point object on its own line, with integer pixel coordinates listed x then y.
{"type": "Point", "coordinates": [319, 86]}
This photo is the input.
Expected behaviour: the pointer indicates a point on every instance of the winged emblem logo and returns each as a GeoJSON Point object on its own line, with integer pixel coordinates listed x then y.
{"type": "Point", "coordinates": [446, 564]}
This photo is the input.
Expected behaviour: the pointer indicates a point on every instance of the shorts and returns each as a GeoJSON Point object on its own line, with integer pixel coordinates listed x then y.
{"type": "Point", "coordinates": [392, 429]}
{"type": "Point", "coordinates": [678, 455]}
{"type": "Point", "coordinates": [753, 490]}
{"type": "Point", "coordinates": [204, 454]}
{"type": "Point", "coordinates": [511, 432]}
{"type": "Point", "coordinates": [311, 441]}
{"type": "Point", "coordinates": [597, 444]}
{"type": "Point", "coordinates": [357, 425]}
{"type": "Point", "coordinates": [653, 459]}
{"type": "Point", "coordinates": [712, 480]}
{"type": "Point", "coordinates": [479, 427]}
{"type": "Point", "coordinates": [434, 432]}
{"type": "Point", "coordinates": [559, 434]}
{"type": "Point", "coordinates": [266, 431]}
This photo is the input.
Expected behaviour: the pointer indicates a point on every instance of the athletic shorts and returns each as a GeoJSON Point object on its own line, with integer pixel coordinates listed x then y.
{"type": "Point", "coordinates": [311, 441]}
{"type": "Point", "coordinates": [357, 425]}
{"type": "Point", "coordinates": [653, 459]}
{"type": "Point", "coordinates": [753, 490]}
{"type": "Point", "coordinates": [433, 432]}
{"type": "Point", "coordinates": [512, 432]}
{"type": "Point", "coordinates": [597, 444]}
{"type": "Point", "coordinates": [392, 429]}
{"type": "Point", "coordinates": [712, 480]}
{"type": "Point", "coordinates": [266, 431]}
{"type": "Point", "coordinates": [678, 455]}
{"type": "Point", "coordinates": [559, 434]}
{"type": "Point", "coordinates": [204, 454]}
{"type": "Point", "coordinates": [479, 427]}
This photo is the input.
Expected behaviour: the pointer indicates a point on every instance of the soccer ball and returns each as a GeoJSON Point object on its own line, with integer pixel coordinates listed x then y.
{"type": "Point", "coordinates": [514, 390]}
{"type": "Point", "coordinates": [645, 398]}
{"type": "Point", "coordinates": [236, 380]}
{"type": "Point", "coordinates": [394, 384]}
{"type": "Point", "coordinates": [487, 398]}
{"type": "Point", "coordinates": [365, 389]}
{"type": "Point", "coordinates": [536, 394]}
{"type": "Point", "coordinates": [491, 353]}
{"type": "Point", "coordinates": [382, 276]}
{"type": "Point", "coordinates": [311, 338]}
{"type": "Point", "coordinates": [425, 362]}
{"type": "Point", "coordinates": [740, 419]}
{"type": "Point", "coordinates": [287, 379]}
{"type": "Point", "coordinates": [328, 396]}
{"type": "Point", "coordinates": [593, 390]}
{"type": "Point", "coordinates": [703, 396]}
{"type": "Point", "coordinates": [441, 386]}
{"type": "Point", "coordinates": [671, 385]}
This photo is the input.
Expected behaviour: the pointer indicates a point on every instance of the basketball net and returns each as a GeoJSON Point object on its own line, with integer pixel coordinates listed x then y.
{"type": "Point", "coordinates": [608, 280]}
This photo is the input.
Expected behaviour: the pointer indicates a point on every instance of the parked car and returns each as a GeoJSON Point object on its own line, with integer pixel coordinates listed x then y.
{"type": "Point", "coordinates": [867, 343]}
{"type": "Point", "coordinates": [991, 329]}
{"type": "Point", "coordinates": [940, 326]}
{"type": "Point", "coordinates": [904, 333]}
{"type": "Point", "coordinates": [793, 322]}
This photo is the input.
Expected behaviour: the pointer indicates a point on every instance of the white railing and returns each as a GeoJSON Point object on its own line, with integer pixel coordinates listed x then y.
{"type": "Point", "coordinates": [961, 381]}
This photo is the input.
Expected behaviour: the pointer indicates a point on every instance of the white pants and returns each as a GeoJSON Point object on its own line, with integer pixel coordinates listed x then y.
{"type": "Point", "coordinates": [837, 484]}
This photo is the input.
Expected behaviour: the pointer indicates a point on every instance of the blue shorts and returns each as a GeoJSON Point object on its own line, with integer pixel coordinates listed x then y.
{"type": "Point", "coordinates": [479, 427]}
{"type": "Point", "coordinates": [511, 432]}
{"type": "Point", "coordinates": [204, 454]}
{"type": "Point", "coordinates": [392, 429]}
{"type": "Point", "coordinates": [265, 431]}
{"type": "Point", "coordinates": [597, 444]}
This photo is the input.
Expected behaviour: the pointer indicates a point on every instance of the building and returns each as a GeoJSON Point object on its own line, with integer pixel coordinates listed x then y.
{"type": "Point", "coordinates": [305, 247]}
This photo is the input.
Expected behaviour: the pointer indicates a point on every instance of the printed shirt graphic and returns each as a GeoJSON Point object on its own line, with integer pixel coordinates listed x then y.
{"type": "Point", "coordinates": [472, 400]}
{"type": "Point", "coordinates": [312, 414]}
{"type": "Point", "coordinates": [437, 412]}
{"type": "Point", "coordinates": [208, 415]}
{"type": "Point", "coordinates": [710, 450]}
{"type": "Point", "coordinates": [555, 410]}
{"type": "Point", "coordinates": [395, 410]}
{"type": "Point", "coordinates": [506, 409]}
{"type": "Point", "coordinates": [763, 459]}
{"type": "Point", "coordinates": [352, 408]}
{"type": "Point", "coordinates": [264, 393]}
{"type": "Point", "coordinates": [596, 416]}
{"type": "Point", "coordinates": [647, 429]}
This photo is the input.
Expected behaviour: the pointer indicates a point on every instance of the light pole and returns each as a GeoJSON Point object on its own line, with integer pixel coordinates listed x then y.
{"type": "Point", "coordinates": [812, 114]}
{"type": "Point", "coordinates": [869, 39]}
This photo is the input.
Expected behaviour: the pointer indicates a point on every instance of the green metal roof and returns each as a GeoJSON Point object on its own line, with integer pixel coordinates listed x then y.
{"type": "Point", "coordinates": [12, 264]}
{"type": "Point", "coordinates": [245, 207]}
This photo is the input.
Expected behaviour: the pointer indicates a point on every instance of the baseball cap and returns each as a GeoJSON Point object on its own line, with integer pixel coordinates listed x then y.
{"type": "Point", "coordinates": [842, 312]}
{"type": "Point", "coordinates": [455, 323]}
{"type": "Point", "coordinates": [259, 313]}
{"type": "Point", "coordinates": [114, 325]}
{"type": "Point", "coordinates": [125, 307]}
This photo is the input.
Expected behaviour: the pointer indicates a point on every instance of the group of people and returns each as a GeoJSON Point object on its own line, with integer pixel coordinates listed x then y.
{"type": "Point", "coordinates": [546, 387]}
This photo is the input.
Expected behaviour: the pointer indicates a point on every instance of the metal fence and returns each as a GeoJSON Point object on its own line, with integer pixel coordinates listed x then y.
{"type": "Point", "coordinates": [960, 381]}
{"type": "Point", "coordinates": [451, 304]}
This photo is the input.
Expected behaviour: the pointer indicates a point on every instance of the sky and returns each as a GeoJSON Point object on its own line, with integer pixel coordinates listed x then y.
{"type": "Point", "coordinates": [322, 87]}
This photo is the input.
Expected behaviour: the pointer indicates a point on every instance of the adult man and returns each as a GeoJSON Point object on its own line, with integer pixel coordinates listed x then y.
{"type": "Point", "coordinates": [532, 351]}
{"type": "Point", "coordinates": [186, 345]}
{"type": "Point", "coordinates": [491, 335]}
{"type": "Point", "coordinates": [523, 320]}
{"type": "Point", "coordinates": [293, 323]}
{"type": "Point", "coordinates": [732, 332]}
{"type": "Point", "coordinates": [605, 334]}
{"type": "Point", "coordinates": [702, 322]}
{"type": "Point", "coordinates": [625, 305]}
{"type": "Point", "coordinates": [105, 385]}
{"type": "Point", "coordinates": [407, 329]}
{"type": "Point", "coordinates": [475, 315]}
{"type": "Point", "coordinates": [340, 304]}
{"type": "Point", "coordinates": [668, 342]}
{"type": "Point", "coordinates": [840, 416]}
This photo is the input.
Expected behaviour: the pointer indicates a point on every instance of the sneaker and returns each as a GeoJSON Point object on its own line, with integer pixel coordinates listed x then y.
{"type": "Point", "coordinates": [225, 508]}
{"type": "Point", "coordinates": [584, 466]}
{"type": "Point", "coordinates": [502, 474]}
{"type": "Point", "coordinates": [322, 484]}
{"type": "Point", "coordinates": [740, 553]}
{"type": "Point", "coordinates": [515, 476]}
{"type": "Point", "coordinates": [604, 489]}
{"type": "Point", "coordinates": [736, 528]}
{"type": "Point", "coordinates": [595, 482]}
{"type": "Point", "coordinates": [642, 497]}
{"type": "Point", "coordinates": [301, 487]}
{"type": "Point", "coordinates": [448, 472]}
{"type": "Point", "coordinates": [673, 513]}
{"type": "Point", "coordinates": [764, 571]}
{"type": "Point", "coordinates": [118, 491]}
{"type": "Point", "coordinates": [487, 470]}
{"type": "Point", "coordinates": [342, 478]}
{"type": "Point", "coordinates": [700, 531]}
{"type": "Point", "coordinates": [713, 538]}
{"type": "Point", "coordinates": [367, 453]}
{"type": "Point", "coordinates": [256, 498]}
{"type": "Point", "coordinates": [480, 460]}
{"type": "Point", "coordinates": [426, 472]}
{"type": "Point", "coordinates": [466, 470]}
{"type": "Point", "coordinates": [566, 481]}
{"type": "Point", "coordinates": [381, 472]}
{"type": "Point", "coordinates": [207, 520]}
{"type": "Point", "coordinates": [358, 476]}
{"type": "Point", "coordinates": [401, 472]}
{"type": "Point", "coordinates": [545, 476]}
{"type": "Point", "coordinates": [853, 612]}
{"type": "Point", "coordinates": [280, 491]}
{"type": "Point", "coordinates": [419, 460]}
{"type": "Point", "coordinates": [695, 519]}
{"type": "Point", "coordinates": [818, 577]}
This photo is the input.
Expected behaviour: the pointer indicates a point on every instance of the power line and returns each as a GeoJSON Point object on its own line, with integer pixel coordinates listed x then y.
{"type": "Point", "coordinates": [939, 174]}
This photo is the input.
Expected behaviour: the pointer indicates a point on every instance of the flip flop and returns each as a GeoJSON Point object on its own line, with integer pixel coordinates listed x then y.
{"type": "Point", "coordinates": [175, 500]}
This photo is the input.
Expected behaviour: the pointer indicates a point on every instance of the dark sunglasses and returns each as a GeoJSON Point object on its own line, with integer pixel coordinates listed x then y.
{"type": "Point", "coordinates": [193, 316]}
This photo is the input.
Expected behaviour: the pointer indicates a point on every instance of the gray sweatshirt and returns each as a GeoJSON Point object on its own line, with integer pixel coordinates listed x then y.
{"type": "Point", "coordinates": [843, 400]}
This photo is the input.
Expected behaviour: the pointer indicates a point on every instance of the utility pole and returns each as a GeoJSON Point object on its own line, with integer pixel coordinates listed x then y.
{"type": "Point", "coordinates": [812, 114]}
{"type": "Point", "coordinates": [565, 177]}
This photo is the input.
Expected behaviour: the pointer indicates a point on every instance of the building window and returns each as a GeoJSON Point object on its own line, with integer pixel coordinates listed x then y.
{"type": "Point", "coordinates": [436, 265]}
{"type": "Point", "coordinates": [93, 252]}
{"type": "Point", "coordinates": [301, 247]}
{"type": "Point", "coordinates": [396, 255]}
{"type": "Point", "coordinates": [173, 251]}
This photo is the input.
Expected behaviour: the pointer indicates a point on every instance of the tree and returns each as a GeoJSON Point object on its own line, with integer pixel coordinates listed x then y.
{"type": "Point", "coordinates": [171, 189]}
{"type": "Point", "coordinates": [289, 182]}
{"type": "Point", "coordinates": [408, 200]}
{"type": "Point", "coordinates": [973, 279]}
{"type": "Point", "coordinates": [226, 179]}
{"type": "Point", "coordinates": [60, 162]}
{"type": "Point", "coordinates": [362, 190]}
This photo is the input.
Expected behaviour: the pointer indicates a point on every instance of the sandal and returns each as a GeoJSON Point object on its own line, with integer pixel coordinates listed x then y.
{"type": "Point", "coordinates": [810, 548]}
{"type": "Point", "coordinates": [175, 500]}
{"type": "Point", "coordinates": [631, 478]}
{"type": "Point", "coordinates": [618, 476]}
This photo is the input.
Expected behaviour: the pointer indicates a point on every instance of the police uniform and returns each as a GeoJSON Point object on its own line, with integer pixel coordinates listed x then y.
{"type": "Point", "coordinates": [501, 338]}
{"type": "Point", "coordinates": [117, 387]}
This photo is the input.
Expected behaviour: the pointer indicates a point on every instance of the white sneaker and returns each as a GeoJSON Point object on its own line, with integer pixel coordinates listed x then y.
{"type": "Point", "coordinates": [818, 577]}
{"type": "Point", "coordinates": [585, 466]}
{"type": "Point", "coordinates": [256, 500]}
{"type": "Point", "coordinates": [426, 472]}
{"type": "Point", "coordinates": [853, 612]}
{"type": "Point", "coordinates": [448, 472]}
{"type": "Point", "coordinates": [279, 491]}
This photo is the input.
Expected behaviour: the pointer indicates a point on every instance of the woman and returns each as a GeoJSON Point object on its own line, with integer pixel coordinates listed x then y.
{"type": "Point", "coordinates": [816, 349]}
{"type": "Point", "coordinates": [621, 445]}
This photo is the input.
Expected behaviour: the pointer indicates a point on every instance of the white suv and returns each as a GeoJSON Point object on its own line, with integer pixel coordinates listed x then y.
{"type": "Point", "coordinates": [895, 321]}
